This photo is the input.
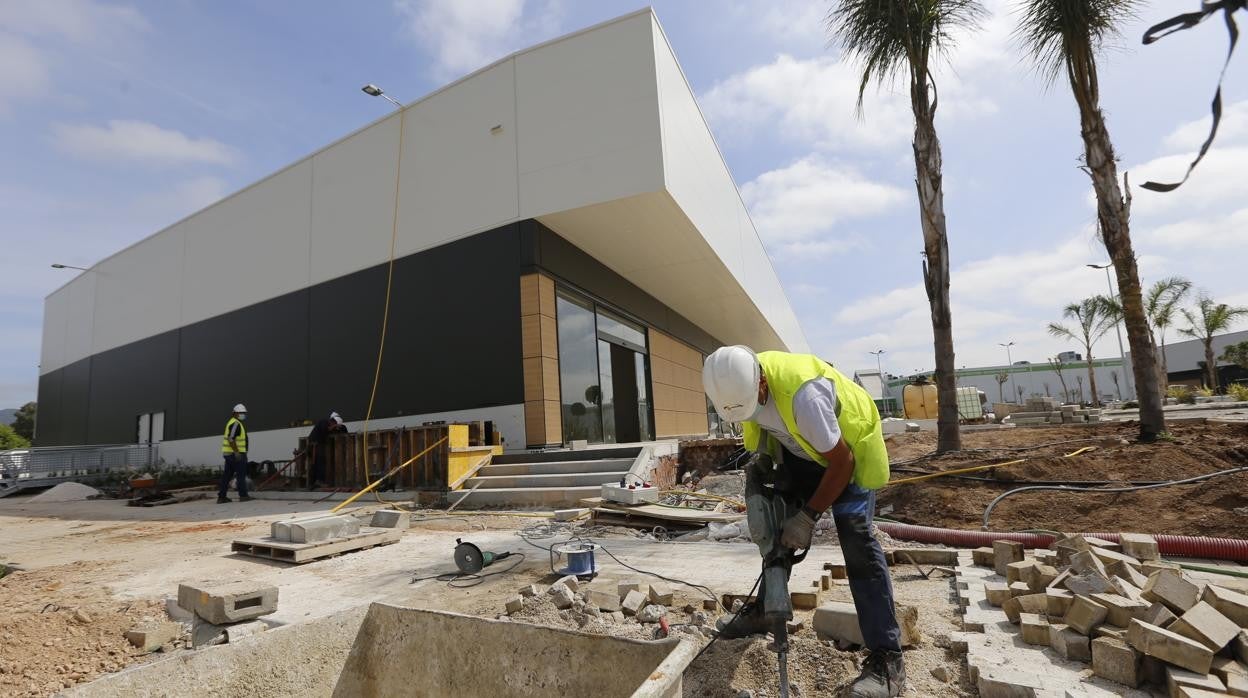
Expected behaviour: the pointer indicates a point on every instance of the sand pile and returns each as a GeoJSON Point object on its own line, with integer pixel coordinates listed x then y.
{"type": "Point", "coordinates": [67, 492]}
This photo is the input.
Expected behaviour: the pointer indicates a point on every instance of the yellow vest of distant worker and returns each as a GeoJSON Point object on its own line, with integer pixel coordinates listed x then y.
{"type": "Point", "coordinates": [855, 413]}
{"type": "Point", "coordinates": [241, 440]}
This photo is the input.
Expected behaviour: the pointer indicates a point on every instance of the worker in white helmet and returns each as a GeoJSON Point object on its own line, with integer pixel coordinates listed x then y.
{"type": "Point", "coordinates": [234, 449]}
{"type": "Point", "coordinates": [818, 444]}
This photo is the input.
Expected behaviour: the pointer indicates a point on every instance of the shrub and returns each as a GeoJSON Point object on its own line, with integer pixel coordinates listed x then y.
{"type": "Point", "coordinates": [1239, 391]}
{"type": "Point", "coordinates": [11, 439]}
{"type": "Point", "coordinates": [1182, 393]}
{"type": "Point", "coordinates": [1204, 391]}
{"type": "Point", "coordinates": [1130, 405]}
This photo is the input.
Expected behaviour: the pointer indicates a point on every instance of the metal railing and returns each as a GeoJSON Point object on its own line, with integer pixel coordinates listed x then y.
{"type": "Point", "coordinates": [23, 468]}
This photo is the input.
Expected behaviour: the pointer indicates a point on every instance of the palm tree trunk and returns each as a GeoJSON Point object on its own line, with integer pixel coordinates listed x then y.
{"type": "Point", "coordinates": [1113, 213]}
{"type": "Point", "coordinates": [1163, 371]}
{"type": "Point", "coordinates": [1096, 397]}
{"type": "Point", "coordinates": [927, 165]}
{"type": "Point", "coordinates": [1211, 365]}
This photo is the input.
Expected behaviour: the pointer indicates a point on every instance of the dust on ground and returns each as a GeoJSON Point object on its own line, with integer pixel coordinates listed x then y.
{"type": "Point", "coordinates": [1214, 507]}
{"type": "Point", "coordinates": [58, 629]}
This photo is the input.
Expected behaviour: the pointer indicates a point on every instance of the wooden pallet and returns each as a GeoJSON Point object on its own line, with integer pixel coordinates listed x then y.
{"type": "Point", "coordinates": [300, 553]}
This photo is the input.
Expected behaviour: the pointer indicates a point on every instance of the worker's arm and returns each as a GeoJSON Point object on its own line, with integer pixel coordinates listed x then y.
{"type": "Point", "coordinates": [836, 478]}
{"type": "Point", "coordinates": [233, 436]}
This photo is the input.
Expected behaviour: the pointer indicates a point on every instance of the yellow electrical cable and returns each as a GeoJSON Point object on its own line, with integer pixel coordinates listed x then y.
{"type": "Point", "coordinates": [381, 479]}
{"type": "Point", "coordinates": [959, 471]}
{"type": "Point", "coordinates": [385, 317]}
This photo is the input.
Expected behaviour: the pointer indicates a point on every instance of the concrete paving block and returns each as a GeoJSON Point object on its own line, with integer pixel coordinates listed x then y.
{"type": "Point", "coordinates": [1014, 570]}
{"type": "Point", "coordinates": [1019, 589]}
{"type": "Point", "coordinates": [1116, 660]}
{"type": "Point", "coordinates": [632, 585]}
{"type": "Point", "coordinates": [1108, 557]}
{"type": "Point", "coordinates": [982, 557]}
{"type": "Point", "coordinates": [238, 631]}
{"type": "Point", "coordinates": [1004, 682]}
{"type": "Point", "coordinates": [1094, 542]}
{"type": "Point", "coordinates": [1240, 646]}
{"type": "Point", "coordinates": [1040, 576]}
{"type": "Point", "coordinates": [514, 605]}
{"type": "Point", "coordinates": [1059, 601]}
{"type": "Point", "coordinates": [1205, 625]}
{"type": "Point", "coordinates": [838, 620]}
{"type": "Point", "coordinates": [1068, 546]}
{"type": "Point", "coordinates": [1170, 647]}
{"type": "Point", "coordinates": [570, 514]}
{"type": "Point", "coordinates": [1030, 603]}
{"type": "Point", "coordinates": [1176, 677]}
{"type": "Point", "coordinates": [1169, 587]}
{"type": "Point", "coordinates": [661, 594]}
{"type": "Point", "coordinates": [530, 590]}
{"type": "Point", "coordinates": [997, 593]}
{"type": "Point", "coordinates": [1237, 684]}
{"type": "Point", "coordinates": [228, 602]}
{"type": "Point", "coordinates": [323, 529]}
{"type": "Point", "coordinates": [1158, 615]}
{"type": "Point", "coordinates": [1088, 583]}
{"type": "Point", "coordinates": [1140, 546]}
{"type": "Point", "coordinates": [1034, 629]}
{"type": "Point", "coordinates": [836, 570]}
{"type": "Point", "coordinates": [1190, 692]}
{"type": "Point", "coordinates": [149, 637]}
{"type": "Point", "coordinates": [1130, 573]}
{"type": "Point", "coordinates": [1069, 644]}
{"type": "Point", "coordinates": [391, 518]}
{"type": "Point", "coordinates": [1121, 609]}
{"type": "Point", "coordinates": [1128, 590]}
{"type": "Point", "coordinates": [1004, 552]}
{"type": "Point", "coordinates": [176, 612]}
{"type": "Point", "coordinates": [1106, 630]}
{"type": "Point", "coordinates": [562, 596]}
{"type": "Point", "coordinates": [571, 582]}
{"type": "Point", "coordinates": [1085, 562]}
{"type": "Point", "coordinates": [633, 602]}
{"type": "Point", "coordinates": [1222, 667]}
{"type": "Point", "coordinates": [1085, 614]}
{"type": "Point", "coordinates": [1153, 671]}
{"type": "Point", "coordinates": [1231, 604]}
{"type": "Point", "coordinates": [603, 600]}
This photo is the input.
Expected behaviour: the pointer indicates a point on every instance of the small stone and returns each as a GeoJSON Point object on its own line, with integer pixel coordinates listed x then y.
{"type": "Point", "coordinates": [570, 582]}
{"type": "Point", "coordinates": [617, 616]}
{"type": "Point", "coordinates": [795, 626]}
{"type": "Point", "coordinates": [633, 602]}
{"type": "Point", "coordinates": [81, 616]}
{"type": "Point", "coordinates": [515, 604]}
{"type": "Point", "coordinates": [530, 591]}
{"type": "Point", "coordinates": [697, 619]}
{"type": "Point", "coordinates": [651, 613]}
{"type": "Point", "coordinates": [661, 594]}
{"type": "Point", "coordinates": [562, 596]}
{"type": "Point", "coordinates": [941, 674]}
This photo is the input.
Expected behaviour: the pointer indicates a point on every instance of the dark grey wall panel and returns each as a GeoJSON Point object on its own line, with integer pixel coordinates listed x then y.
{"type": "Point", "coordinates": [546, 249]}
{"type": "Point", "coordinates": [49, 420]}
{"type": "Point", "coordinates": [75, 392]}
{"type": "Point", "coordinates": [129, 381]}
{"type": "Point", "coordinates": [257, 355]}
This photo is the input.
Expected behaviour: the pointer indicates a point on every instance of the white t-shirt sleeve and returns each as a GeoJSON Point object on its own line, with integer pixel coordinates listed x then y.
{"type": "Point", "coordinates": [814, 410]}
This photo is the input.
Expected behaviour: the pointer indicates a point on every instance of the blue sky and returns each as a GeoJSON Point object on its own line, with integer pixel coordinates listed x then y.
{"type": "Point", "coordinates": [119, 118]}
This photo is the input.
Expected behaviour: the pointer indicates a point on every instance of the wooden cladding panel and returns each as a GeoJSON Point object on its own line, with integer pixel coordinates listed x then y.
{"type": "Point", "coordinates": [539, 340]}
{"type": "Point", "coordinates": [676, 377]}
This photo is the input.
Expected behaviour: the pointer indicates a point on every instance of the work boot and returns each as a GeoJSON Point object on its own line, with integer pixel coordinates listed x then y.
{"type": "Point", "coordinates": [224, 500]}
{"type": "Point", "coordinates": [748, 621]}
{"type": "Point", "coordinates": [244, 498]}
{"type": "Point", "coordinates": [883, 676]}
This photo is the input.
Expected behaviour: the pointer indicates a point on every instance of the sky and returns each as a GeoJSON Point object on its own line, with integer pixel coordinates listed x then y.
{"type": "Point", "coordinates": [119, 118]}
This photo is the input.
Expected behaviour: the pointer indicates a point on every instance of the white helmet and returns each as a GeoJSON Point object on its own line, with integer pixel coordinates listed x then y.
{"type": "Point", "coordinates": [240, 407]}
{"type": "Point", "coordinates": [730, 377]}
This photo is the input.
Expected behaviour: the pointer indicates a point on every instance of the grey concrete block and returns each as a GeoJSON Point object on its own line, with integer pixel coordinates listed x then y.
{"type": "Point", "coordinates": [318, 530]}
{"type": "Point", "coordinates": [391, 518]}
{"type": "Point", "coordinates": [228, 602]}
{"type": "Point", "coordinates": [150, 636]}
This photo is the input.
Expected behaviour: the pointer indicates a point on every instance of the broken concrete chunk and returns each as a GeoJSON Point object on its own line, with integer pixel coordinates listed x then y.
{"type": "Point", "coordinates": [1139, 546]}
{"type": "Point", "coordinates": [1068, 643]}
{"type": "Point", "coordinates": [515, 604]}
{"type": "Point", "coordinates": [1031, 603]}
{"type": "Point", "coordinates": [1039, 577]}
{"type": "Point", "coordinates": [238, 631]}
{"type": "Point", "coordinates": [1170, 647]}
{"type": "Point", "coordinates": [837, 620]}
{"type": "Point", "coordinates": [1107, 630]}
{"type": "Point", "coordinates": [1014, 570]}
{"type": "Point", "coordinates": [633, 602]}
{"type": "Point", "coordinates": [661, 594]}
{"type": "Point", "coordinates": [1085, 614]}
{"type": "Point", "coordinates": [562, 596]}
{"type": "Point", "coordinates": [1121, 569]}
{"type": "Point", "coordinates": [228, 602]}
{"type": "Point", "coordinates": [603, 600]}
{"type": "Point", "coordinates": [1231, 604]}
{"type": "Point", "coordinates": [530, 590]}
{"type": "Point", "coordinates": [982, 557]}
{"type": "Point", "coordinates": [1158, 615]}
{"type": "Point", "coordinates": [1094, 542]}
{"type": "Point", "coordinates": [1085, 562]}
{"type": "Point", "coordinates": [571, 582]}
{"type": "Point", "coordinates": [651, 613]}
{"type": "Point", "coordinates": [1205, 625]}
{"type": "Point", "coordinates": [1034, 629]}
{"type": "Point", "coordinates": [391, 518]}
{"type": "Point", "coordinates": [997, 592]}
{"type": "Point", "coordinates": [1127, 589]}
{"type": "Point", "coordinates": [1115, 660]}
{"type": "Point", "coordinates": [1150, 566]}
{"type": "Point", "coordinates": [1169, 587]}
{"type": "Point", "coordinates": [1176, 677]}
{"type": "Point", "coordinates": [1121, 609]}
{"type": "Point", "coordinates": [632, 585]}
{"type": "Point", "coordinates": [1019, 589]}
{"type": "Point", "coordinates": [205, 634]}
{"type": "Point", "coordinates": [150, 636]}
{"type": "Point", "coordinates": [1004, 552]}
{"type": "Point", "coordinates": [1087, 584]}
{"type": "Point", "coordinates": [1059, 601]}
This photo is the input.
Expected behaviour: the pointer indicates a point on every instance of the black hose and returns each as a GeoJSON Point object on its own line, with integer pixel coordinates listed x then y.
{"type": "Point", "coordinates": [1067, 488]}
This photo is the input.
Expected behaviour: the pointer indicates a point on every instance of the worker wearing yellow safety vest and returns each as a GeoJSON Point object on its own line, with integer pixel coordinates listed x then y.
{"type": "Point", "coordinates": [818, 446]}
{"type": "Point", "coordinates": [234, 449]}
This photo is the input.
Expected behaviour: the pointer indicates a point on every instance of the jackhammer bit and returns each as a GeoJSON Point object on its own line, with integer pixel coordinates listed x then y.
{"type": "Point", "coordinates": [778, 607]}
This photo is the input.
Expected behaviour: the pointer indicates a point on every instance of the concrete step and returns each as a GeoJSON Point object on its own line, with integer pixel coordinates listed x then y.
{"type": "Point", "coordinates": [557, 480]}
{"type": "Point", "coordinates": [524, 497]}
{"type": "Point", "coordinates": [558, 467]}
{"type": "Point", "coordinates": [629, 452]}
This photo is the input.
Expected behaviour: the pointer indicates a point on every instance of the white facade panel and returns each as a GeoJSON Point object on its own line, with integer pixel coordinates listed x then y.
{"type": "Point", "coordinates": [353, 201]}
{"type": "Point", "coordinates": [55, 313]}
{"type": "Point", "coordinates": [139, 293]}
{"type": "Point", "coordinates": [251, 247]}
{"type": "Point", "coordinates": [587, 118]}
{"type": "Point", "coordinates": [79, 318]}
{"type": "Point", "coordinates": [459, 171]}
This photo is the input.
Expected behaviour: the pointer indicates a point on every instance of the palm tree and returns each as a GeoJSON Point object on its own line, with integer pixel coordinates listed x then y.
{"type": "Point", "coordinates": [1064, 37]}
{"type": "Point", "coordinates": [1093, 318]}
{"type": "Point", "coordinates": [1161, 303]}
{"type": "Point", "coordinates": [1210, 319]}
{"type": "Point", "coordinates": [901, 37]}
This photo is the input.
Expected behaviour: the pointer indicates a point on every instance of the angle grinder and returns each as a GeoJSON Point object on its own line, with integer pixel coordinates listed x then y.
{"type": "Point", "coordinates": [470, 559]}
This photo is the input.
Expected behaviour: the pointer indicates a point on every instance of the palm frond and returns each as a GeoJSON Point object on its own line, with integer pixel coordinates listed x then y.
{"type": "Point", "coordinates": [1053, 33]}
{"type": "Point", "coordinates": [1061, 331]}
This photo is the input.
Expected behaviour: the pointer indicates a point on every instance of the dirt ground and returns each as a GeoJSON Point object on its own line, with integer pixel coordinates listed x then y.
{"type": "Point", "coordinates": [1215, 507]}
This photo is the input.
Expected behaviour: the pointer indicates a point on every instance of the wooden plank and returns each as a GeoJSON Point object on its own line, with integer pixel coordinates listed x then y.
{"type": "Point", "coordinates": [299, 553]}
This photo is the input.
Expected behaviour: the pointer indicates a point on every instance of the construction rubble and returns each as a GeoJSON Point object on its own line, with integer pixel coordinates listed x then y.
{"type": "Point", "coordinates": [1133, 618]}
{"type": "Point", "coordinates": [1047, 410]}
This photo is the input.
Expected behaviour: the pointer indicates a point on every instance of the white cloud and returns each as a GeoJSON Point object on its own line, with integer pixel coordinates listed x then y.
{"type": "Point", "coordinates": [25, 72]}
{"type": "Point", "coordinates": [154, 211]}
{"type": "Point", "coordinates": [76, 20]}
{"type": "Point", "coordinates": [463, 36]}
{"type": "Point", "coordinates": [142, 142]}
{"type": "Point", "coordinates": [813, 100]}
{"type": "Point", "coordinates": [1189, 136]}
{"type": "Point", "coordinates": [1229, 232]}
{"type": "Point", "coordinates": [807, 198]}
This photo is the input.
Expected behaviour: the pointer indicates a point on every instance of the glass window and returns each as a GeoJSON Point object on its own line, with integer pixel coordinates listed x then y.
{"type": "Point", "coordinates": [580, 394]}
{"type": "Point", "coordinates": [643, 397]}
{"type": "Point", "coordinates": [617, 330]}
{"type": "Point", "coordinates": [607, 384]}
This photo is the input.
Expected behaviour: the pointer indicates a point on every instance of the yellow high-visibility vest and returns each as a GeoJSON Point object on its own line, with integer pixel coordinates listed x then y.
{"type": "Point", "coordinates": [241, 440]}
{"type": "Point", "coordinates": [856, 414]}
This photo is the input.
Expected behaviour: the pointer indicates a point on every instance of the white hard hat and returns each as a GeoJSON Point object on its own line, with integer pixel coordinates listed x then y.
{"type": "Point", "coordinates": [730, 376]}
{"type": "Point", "coordinates": [337, 420]}
{"type": "Point", "coordinates": [333, 415]}
{"type": "Point", "coordinates": [240, 407]}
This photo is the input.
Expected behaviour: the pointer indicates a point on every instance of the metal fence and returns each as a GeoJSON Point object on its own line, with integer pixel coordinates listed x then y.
{"type": "Point", "coordinates": [42, 467]}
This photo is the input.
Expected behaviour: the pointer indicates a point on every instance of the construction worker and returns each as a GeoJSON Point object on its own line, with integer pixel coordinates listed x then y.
{"type": "Point", "coordinates": [316, 445]}
{"type": "Point", "coordinates": [818, 445]}
{"type": "Point", "coordinates": [234, 449]}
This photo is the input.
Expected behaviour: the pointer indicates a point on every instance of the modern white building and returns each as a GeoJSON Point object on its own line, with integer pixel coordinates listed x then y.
{"type": "Point", "coordinates": [1024, 380]}
{"type": "Point", "coordinates": [569, 246]}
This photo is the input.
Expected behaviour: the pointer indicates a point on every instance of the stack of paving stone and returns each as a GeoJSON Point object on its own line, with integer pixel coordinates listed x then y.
{"type": "Point", "coordinates": [1046, 410]}
{"type": "Point", "coordinates": [1135, 618]}
{"type": "Point", "coordinates": [611, 603]}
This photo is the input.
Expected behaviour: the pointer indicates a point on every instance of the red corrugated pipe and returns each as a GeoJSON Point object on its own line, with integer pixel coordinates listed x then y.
{"type": "Point", "coordinates": [1181, 546]}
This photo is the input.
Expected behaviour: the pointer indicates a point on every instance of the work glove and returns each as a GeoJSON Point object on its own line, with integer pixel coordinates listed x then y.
{"type": "Point", "coordinates": [798, 531]}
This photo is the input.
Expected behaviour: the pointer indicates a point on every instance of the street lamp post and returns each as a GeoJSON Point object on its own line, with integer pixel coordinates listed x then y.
{"type": "Point", "coordinates": [1009, 369]}
{"type": "Point", "coordinates": [883, 383]}
{"type": "Point", "coordinates": [69, 266]}
{"type": "Point", "coordinates": [1109, 282]}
